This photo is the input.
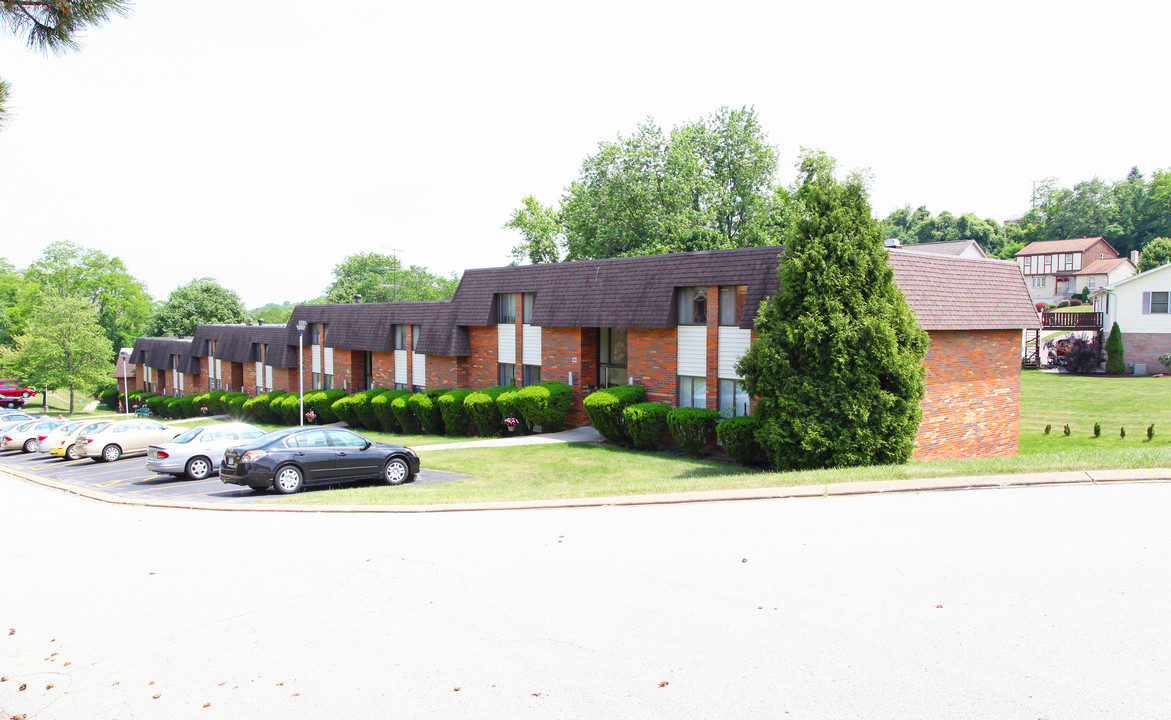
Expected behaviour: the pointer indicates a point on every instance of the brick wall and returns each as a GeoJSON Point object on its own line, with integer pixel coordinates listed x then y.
{"type": "Point", "coordinates": [442, 373]}
{"type": "Point", "coordinates": [250, 379]}
{"type": "Point", "coordinates": [232, 374]}
{"type": "Point", "coordinates": [561, 354]}
{"type": "Point", "coordinates": [652, 361]}
{"type": "Point", "coordinates": [383, 364]}
{"type": "Point", "coordinates": [481, 366]}
{"type": "Point", "coordinates": [972, 405]}
{"type": "Point", "coordinates": [1144, 348]}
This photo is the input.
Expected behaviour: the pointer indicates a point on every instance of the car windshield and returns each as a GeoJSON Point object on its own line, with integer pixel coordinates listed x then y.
{"type": "Point", "coordinates": [189, 435]}
{"type": "Point", "coordinates": [24, 426]}
{"type": "Point", "coordinates": [94, 427]}
{"type": "Point", "coordinates": [66, 429]}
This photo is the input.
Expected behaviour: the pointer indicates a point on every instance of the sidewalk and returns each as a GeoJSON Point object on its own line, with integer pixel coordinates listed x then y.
{"type": "Point", "coordinates": [585, 434]}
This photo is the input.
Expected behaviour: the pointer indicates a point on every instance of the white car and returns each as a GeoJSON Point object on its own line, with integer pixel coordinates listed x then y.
{"type": "Point", "coordinates": [26, 437]}
{"type": "Point", "coordinates": [119, 438]}
{"type": "Point", "coordinates": [58, 433]}
{"type": "Point", "coordinates": [197, 453]}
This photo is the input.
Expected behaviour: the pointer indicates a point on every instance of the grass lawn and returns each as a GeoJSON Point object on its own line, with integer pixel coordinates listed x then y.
{"type": "Point", "coordinates": [567, 471]}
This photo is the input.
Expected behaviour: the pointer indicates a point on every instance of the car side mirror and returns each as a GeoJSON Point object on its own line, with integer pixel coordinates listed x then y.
{"type": "Point", "coordinates": [368, 445]}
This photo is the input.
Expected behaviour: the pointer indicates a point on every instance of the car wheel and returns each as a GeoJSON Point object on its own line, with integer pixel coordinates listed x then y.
{"type": "Point", "coordinates": [198, 468]}
{"type": "Point", "coordinates": [11, 404]}
{"type": "Point", "coordinates": [30, 445]}
{"type": "Point", "coordinates": [287, 480]}
{"type": "Point", "coordinates": [111, 452]}
{"type": "Point", "coordinates": [24, 395]}
{"type": "Point", "coordinates": [71, 453]}
{"type": "Point", "coordinates": [396, 471]}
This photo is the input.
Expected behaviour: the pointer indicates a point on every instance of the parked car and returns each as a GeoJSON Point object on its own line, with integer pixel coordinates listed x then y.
{"type": "Point", "coordinates": [288, 459]}
{"type": "Point", "coordinates": [15, 389]}
{"type": "Point", "coordinates": [66, 446]}
{"type": "Point", "coordinates": [197, 453]}
{"type": "Point", "coordinates": [26, 437]}
{"type": "Point", "coordinates": [12, 419]}
{"type": "Point", "coordinates": [122, 437]}
{"type": "Point", "coordinates": [59, 432]}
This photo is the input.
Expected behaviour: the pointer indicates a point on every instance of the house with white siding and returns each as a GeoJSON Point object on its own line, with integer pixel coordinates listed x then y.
{"type": "Point", "coordinates": [1056, 270]}
{"type": "Point", "coordinates": [1141, 305]}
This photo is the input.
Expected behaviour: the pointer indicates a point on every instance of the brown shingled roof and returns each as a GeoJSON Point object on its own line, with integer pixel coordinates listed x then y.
{"type": "Point", "coordinates": [631, 292]}
{"type": "Point", "coordinates": [368, 326]}
{"type": "Point", "coordinates": [1098, 267]}
{"type": "Point", "coordinates": [156, 352]}
{"type": "Point", "coordinates": [1046, 247]}
{"type": "Point", "coordinates": [234, 343]}
{"type": "Point", "coordinates": [954, 293]}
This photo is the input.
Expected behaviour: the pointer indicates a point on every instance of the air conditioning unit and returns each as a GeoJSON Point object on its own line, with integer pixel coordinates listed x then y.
{"type": "Point", "coordinates": [1140, 368]}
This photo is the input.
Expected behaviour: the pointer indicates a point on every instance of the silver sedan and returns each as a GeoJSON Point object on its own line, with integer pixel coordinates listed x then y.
{"type": "Point", "coordinates": [26, 437]}
{"type": "Point", "coordinates": [197, 452]}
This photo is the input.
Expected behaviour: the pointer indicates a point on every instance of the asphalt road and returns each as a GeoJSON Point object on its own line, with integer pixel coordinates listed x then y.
{"type": "Point", "coordinates": [129, 478]}
{"type": "Point", "coordinates": [1038, 602]}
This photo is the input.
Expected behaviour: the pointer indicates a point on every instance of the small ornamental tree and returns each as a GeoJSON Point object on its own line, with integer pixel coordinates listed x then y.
{"type": "Point", "coordinates": [1115, 358]}
{"type": "Point", "coordinates": [837, 369]}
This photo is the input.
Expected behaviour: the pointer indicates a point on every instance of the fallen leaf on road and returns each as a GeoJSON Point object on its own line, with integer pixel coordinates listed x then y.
{"type": "Point", "coordinates": [743, 560]}
{"type": "Point", "coordinates": [11, 631]}
{"type": "Point", "coordinates": [207, 704]}
{"type": "Point", "coordinates": [296, 694]}
{"type": "Point", "coordinates": [152, 682]}
{"type": "Point", "coordinates": [54, 654]}
{"type": "Point", "coordinates": [664, 684]}
{"type": "Point", "coordinates": [938, 606]}
{"type": "Point", "coordinates": [68, 664]}
{"type": "Point", "coordinates": [23, 687]}
{"type": "Point", "coordinates": [4, 679]}
{"type": "Point", "coordinates": [157, 696]}
{"type": "Point", "coordinates": [456, 689]}
{"type": "Point", "coordinates": [49, 686]}
{"type": "Point", "coordinates": [536, 694]}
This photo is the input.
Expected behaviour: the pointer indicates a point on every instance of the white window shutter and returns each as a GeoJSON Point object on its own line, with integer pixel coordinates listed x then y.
{"type": "Point", "coordinates": [1146, 303]}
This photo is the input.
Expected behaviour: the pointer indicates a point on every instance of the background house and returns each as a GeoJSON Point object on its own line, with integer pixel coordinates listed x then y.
{"type": "Point", "coordinates": [1056, 270]}
{"type": "Point", "coordinates": [1141, 305]}
{"type": "Point", "coordinates": [956, 248]}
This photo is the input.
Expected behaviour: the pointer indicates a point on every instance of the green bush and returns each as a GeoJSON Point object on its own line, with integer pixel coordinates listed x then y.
{"type": "Point", "coordinates": [455, 415]}
{"type": "Point", "coordinates": [109, 396]}
{"type": "Point", "coordinates": [320, 403]}
{"type": "Point", "coordinates": [646, 423]}
{"type": "Point", "coordinates": [403, 415]}
{"type": "Point", "coordinates": [426, 409]}
{"type": "Point", "coordinates": [233, 404]}
{"type": "Point", "coordinates": [545, 404]}
{"type": "Point", "coordinates": [287, 408]}
{"type": "Point", "coordinates": [215, 402]}
{"type": "Point", "coordinates": [201, 401]}
{"type": "Point", "coordinates": [484, 412]}
{"type": "Point", "coordinates": [344, 409]}
{"type": "Point", "coordinates": [364, 411]}
{"type": "Point", "coordinates": [693, 428]}
{"type": "Point", "coordinates": [158, 405]}
{"type": "Point", "coordinates": [1063, 304]}
{"type": "Point", "coordinates": [381, 404]}
{"type": "Point", "coordinates": [508, 403]}
{"type": "Point", "coordinates": [1115, 358]}
{"type": "Point", "coordinates": [738, 436]}
{"type": "Point", "coordinates": [605, 407]}
{"type": "Point", "coordinates": [259, 408]}
{"type": "Point", "coordinates": [184, 407]}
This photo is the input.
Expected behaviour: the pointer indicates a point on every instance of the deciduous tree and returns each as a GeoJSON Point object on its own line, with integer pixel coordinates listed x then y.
{"type": "Point", "coordinates": [63, 347]}
{"type": "Point", "coordinates": [837, 368]}
{"type": "Point", "coordinates": [1155, 253]}
{"type": "Point", "coordinates": [200, 302]}
{"type": "Point", "coordinates": [381, 278]}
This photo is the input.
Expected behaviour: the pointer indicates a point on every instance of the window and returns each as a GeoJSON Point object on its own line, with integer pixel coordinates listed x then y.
{"type": "Point", "coordinates": [415, 333]}
{"type": "Point", "coordinates": [316, 381]}
{"type": "Point", "coordinates": [693, 306]}
{"type": "Point", "coordinates": [1038, 281]}
{"type": "Point", "coordinates": [311, 439]}
{"type": "Point", "coordinates": [1091, 283]}
{"type": "Point", "coordinates": [532, 374]}
{"type": "Point", "coordinates": [258, 352]}
{"type": "Point", "coordinates": [733, 399]}
{"type": "Point", "coordinates": [341, 438]}
{"type": "Point", "coordinates": [611, 357]}
{"type": "Point", "coordinates": [400, 386]}
{"type": "Point", "coordinates": [506, 308]}
{"type": "Point", "coordinates": [506, 374]}
{"type": "Point", "coordinates": [327, 382]}
{"type": "Point", "coordinates": [1067, 263]}
{"type": "Point", "coordinates": [728, 315]}
{"type": "Point", "coordinates": [1028, 265]}
{"type": "Point", "coordinates": [400, 337]}
{"type": "Point", "coordinates": [1159, 302]}
{"type": "Point", "coordinates": [530, 299]}
{"type": "Point", "coordinates": [316, 333]}
{"type": "Point", "coordinates": [692, 392]}
{"type": "Point", "coordinates": [1048, 263]}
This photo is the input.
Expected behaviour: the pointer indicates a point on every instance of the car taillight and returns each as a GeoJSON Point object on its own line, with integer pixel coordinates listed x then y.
{"type": "Point", "coordinates": [7, 439]}
{"type": "Point", "coordinates": [253, 455]}
{"type": "Point", "coordinates": [42, 437]}
{"type": "Point", "coordinates": [88, 441]}
{"type": "Point", "coordinates": [162, 454]}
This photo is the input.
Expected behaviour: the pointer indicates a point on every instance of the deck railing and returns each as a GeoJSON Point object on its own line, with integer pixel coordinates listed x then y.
{"type": "Point", "coordinates": [1071, 321]}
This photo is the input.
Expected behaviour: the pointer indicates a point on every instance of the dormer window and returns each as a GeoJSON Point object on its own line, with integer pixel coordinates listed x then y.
{"type": "Point", "coordinates": [530, 300]}
{"type": "Point", "coordinates": [506, 308]}
{"type": "Point", "coordinates": [693, 305]}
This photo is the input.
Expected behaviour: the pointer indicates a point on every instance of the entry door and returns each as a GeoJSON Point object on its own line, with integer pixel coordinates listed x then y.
{"type": "Point", "coordinates": [611, 357]}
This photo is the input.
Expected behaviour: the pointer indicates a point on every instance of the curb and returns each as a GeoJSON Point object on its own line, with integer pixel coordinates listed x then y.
{"type": "Point", "coordinates": [865, 487]}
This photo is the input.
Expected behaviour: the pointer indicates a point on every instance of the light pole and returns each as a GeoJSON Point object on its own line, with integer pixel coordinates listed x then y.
{"type": "Point", "coordinates": [301, 324]}
{"type": "Point", "coordinates": [126, 378]}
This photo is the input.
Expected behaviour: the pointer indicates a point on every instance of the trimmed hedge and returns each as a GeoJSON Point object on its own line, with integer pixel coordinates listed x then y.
{"type": "Point", "coordinates": [109, 396]}
{"type": "Point", "coordinates": [693, 428]}
{"type": "Point", "coordinates": [484, 412]}
{"type": "Point", "coordinates": [646, 423]}
{"type": "Point", "coordinates": [738, 436]}
{"type": "Point", "coordinates": [345, 411]}
{"type": "Point", "coordinates": [287, 407]}
{"type": "Point", "coordinates": [426, 410]}
{"type": "Point", "coordinates": [508, 402]}
{"type": "Point", "coordinates": [381, 404]}
{"type": "Point", "coordinates": [234, 404]}
{"type": "Point", "coordinates": [604, 408]}
{"type": "Point", "coordinates": [158, 405]}
{"type": "Point", "coordinates": [403, 414]}
{"type": "Point", "coordinates": [364, 411]}
{"type": "Point", "coordinates": [259, 408]}
{"type": "Point", "coordinates": [545, 404]}
{"type": "Point", "coordinates": [455, 415]}
{"type": "Point", "coordinates": [320, 402]}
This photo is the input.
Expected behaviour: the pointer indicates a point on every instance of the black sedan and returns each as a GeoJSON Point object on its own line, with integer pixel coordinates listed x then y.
{"type": "Point", "coordinates": [284, 460]}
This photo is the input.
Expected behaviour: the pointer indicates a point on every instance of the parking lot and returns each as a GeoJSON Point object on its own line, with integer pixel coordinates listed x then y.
{"type": "Point", "coordinates": [129, 478]}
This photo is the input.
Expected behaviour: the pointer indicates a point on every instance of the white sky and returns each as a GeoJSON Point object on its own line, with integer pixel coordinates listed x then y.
{"type": "Point", "coordinates": [259, 143]}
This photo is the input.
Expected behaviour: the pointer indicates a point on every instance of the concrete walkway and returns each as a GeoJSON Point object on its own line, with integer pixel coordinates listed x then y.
{"type": "Point", "coordinates": [585, 434]}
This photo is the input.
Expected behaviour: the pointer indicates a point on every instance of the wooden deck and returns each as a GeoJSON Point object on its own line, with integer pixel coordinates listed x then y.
{"type": "Point", "coordinates": [1071, 321]}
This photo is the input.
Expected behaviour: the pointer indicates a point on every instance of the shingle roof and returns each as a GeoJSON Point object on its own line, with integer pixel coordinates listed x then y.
{"type": "Point", "coordinates": [156, 352]}
{"type": "Point", "coordinates": [1099, 267]}
{"type": "Point", "coordinates": [631, 292]}
{"type": "Point", "coordinates": [948, 247]}
{"type": "Point", "coordinates": [368, 326]}
{"type": "Point", "coordinates": [1046, 247]}
{"type": "Point", "coordinates": [954, 293]}
{"type": "Point", "coordinates": [234, 343]}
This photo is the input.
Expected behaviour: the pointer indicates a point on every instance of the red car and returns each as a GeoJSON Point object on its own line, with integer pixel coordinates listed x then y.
{"type": "Point", "coordinates": [13, 393]}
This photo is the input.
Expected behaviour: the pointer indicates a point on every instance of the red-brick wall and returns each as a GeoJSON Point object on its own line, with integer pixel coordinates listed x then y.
{"type": "Point", "coordinates": [652, 361]}
{"type": "Point", "coordinates": [383, 363]}
{"type": "Point", "coordinates": [481, 366]}
{"type": "Point", "coordinates": [250, 379]}
{"type": "Point", "coordinates": [1144, 348]}
{"type": "Point", "coordinates": [972, 405]}
{"type": "Point", "coordinates": [560, 348]}
{"type": "Point", "coordinates": [442, 373]}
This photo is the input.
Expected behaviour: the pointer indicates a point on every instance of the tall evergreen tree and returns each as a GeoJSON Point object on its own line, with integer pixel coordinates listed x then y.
{"type": "Point", "coordinates": [1115, 356]}
{"type": "Point", "coordinates": [837, 369]}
